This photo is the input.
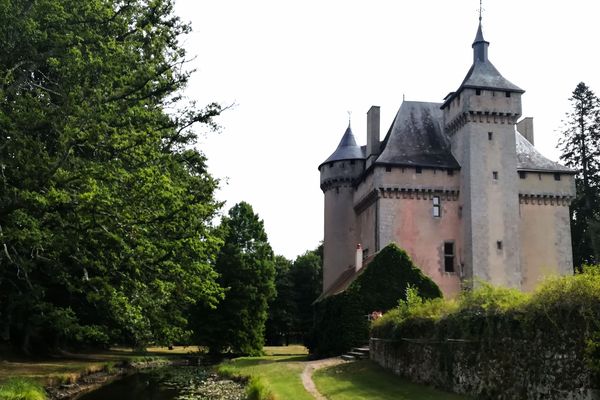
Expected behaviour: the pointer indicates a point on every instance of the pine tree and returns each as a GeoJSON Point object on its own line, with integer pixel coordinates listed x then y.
{"type": "Point", "coordinates": [580, 147]}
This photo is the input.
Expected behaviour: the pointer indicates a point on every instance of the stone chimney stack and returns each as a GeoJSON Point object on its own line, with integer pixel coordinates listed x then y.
{"type": "Point", "coordinates": [372, 135]}
{"type": "Point", "coordinates": [359, 258]}
{"type": "Point", "coordinates": [525, 128]}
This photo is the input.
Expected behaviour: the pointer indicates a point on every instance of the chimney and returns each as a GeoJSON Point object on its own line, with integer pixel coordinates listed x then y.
{"type": "Point", "coordinates": [359, 258]}
{"type": "Point", "coordinates": [525, 128]}
{"type": "Point", "coordinates": [372, 135]}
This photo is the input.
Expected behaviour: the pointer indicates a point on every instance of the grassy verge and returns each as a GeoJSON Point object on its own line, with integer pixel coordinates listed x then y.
{"type": "Point", "coordinates": [70, 367]}
{"type": "Point", "coordinates": [271, 377]}
{"type": "Point", "coordinates": [366, 380]}
{"type": "Point", "coordinates": [21, 389]}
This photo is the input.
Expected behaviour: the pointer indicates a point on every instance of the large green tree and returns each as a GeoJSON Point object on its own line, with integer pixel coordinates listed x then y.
{"type": "Point", "coordinates": [105, 207]}
{"type": "Point", "coordinates": [282, 308]}
{"type": "Point", "coordinates": [246, 270]}
{"type": "Point", "coordinates": [580, 147]}
{"type": "Point", "coordinates": [306, 274]}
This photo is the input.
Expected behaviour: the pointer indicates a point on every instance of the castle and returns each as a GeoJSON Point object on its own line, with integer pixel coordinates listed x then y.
{"type": "Point", "coordinates": [458, 185]}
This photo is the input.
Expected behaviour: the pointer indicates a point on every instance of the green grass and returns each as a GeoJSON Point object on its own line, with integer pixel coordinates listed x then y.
{"type": "Point", "coordinates": [277, 375]}
{"type": "Point", "coordinates": [70, 367]}
{"type": "Point", "coordinates": [21, 389]}
{"type": "Point", "coordinates": [366, 380]}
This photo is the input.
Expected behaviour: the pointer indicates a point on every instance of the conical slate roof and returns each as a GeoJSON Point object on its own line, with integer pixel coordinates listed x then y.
{"type": "Point", "coordinates": [483, 74]}
{"type": "Point", "coordinates": [416, 138]}
{"type": "Point", "coordinates": [529, 159]}
{"type": "Point", "coordinates": [346, 150]}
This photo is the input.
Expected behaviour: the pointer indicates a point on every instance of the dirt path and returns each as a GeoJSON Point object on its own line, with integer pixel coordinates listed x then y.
{"type": "Point", "coordinates": [311, 367]}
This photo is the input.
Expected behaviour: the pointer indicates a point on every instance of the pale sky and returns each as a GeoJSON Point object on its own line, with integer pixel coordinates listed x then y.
{"type": "Point", "coordinates": [294, 69]}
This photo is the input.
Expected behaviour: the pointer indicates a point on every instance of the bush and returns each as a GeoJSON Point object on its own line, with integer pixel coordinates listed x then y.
{"type": "Point", "coordinates": [257, 389]}
{"type": "Point", "coordinates": [341, 320]}
{"type": "Point", "coordinates": [560, 304]}
{"type": "Point", "coordinates": [21, 389]}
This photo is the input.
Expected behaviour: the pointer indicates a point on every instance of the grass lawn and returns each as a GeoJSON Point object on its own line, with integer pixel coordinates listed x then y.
{"type": "Point", "coordinates": [70, 367]}
{"type": "Point", "coordinates": [280, 370]}
{"type": "Point", "coordinates": [366, 380]}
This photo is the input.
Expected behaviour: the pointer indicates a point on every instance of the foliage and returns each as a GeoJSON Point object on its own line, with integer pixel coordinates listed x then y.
{"type": "Point", "coordinates": [341, 320]}
{"type": "Point", "coordinates": [559, 304]}
{"type": "Point", "coordinates": [246, 270]}
{"type": "Point", "coordinates": [105, 207]}
{"type": "Point", "coordinates": [298, 286]}
{"type": "Point", "coordinates": [21, 389]}
{"type": "Point", "coordinates": [282, 307]}
{"type": "Point", "coordinates": [367, 380]}
{"type": "Point", "coordinates": [258, 390]}
{"type": "Point", "coordinates": [580, 148]}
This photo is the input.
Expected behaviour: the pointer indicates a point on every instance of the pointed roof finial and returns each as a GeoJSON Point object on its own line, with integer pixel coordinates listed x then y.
{"type": "Point", "coordinates": [480, 10]}
{"type": "Point", "coordinates": [349, 118]}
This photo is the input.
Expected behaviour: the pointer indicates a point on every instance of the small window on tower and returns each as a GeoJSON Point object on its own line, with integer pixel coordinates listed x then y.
{"type": "Point", "coordinates": [557, 176]}
{"type": "Point", "coordinates": [499, 244]}
{"type": "Point", "coordinates": [507, 94]}
{"type": "Point", "coordinates": [449, 256]}
{"type": "Point", "coordinates": [437, 208]}
{"type": "Point", "coordinates": [351, 162]}
{"type": "Point", "coordinates": [388, 169]}
{"type": "Point", "coordinates": [450, 172]}
{"type": "Point", "coordinates": [478, 92]}
{"type": "Point", "coordinates": [490, 135]}
{"type": "Point", "coordinates": [522, 174]}
{"type": "Point", "coordinates": [495, 175]}
{"type": "Point", "coordinates": [418, 170]}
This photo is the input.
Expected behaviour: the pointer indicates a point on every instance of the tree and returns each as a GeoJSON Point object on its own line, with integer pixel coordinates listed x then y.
{"type": "Point", "coordinates": [580, 147]}
{"type": "Point", "coordinates": [282, 308]}
{"type": "Point", "coordinates": [105, 208]}
{"type": "Point", "coordinates": [306, 273]}
{"type": "Point", "coordinates": [246, 270]}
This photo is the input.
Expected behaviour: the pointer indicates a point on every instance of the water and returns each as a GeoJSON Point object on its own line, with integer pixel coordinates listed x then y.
{"type": "Point", "coordinates": [169, 383]}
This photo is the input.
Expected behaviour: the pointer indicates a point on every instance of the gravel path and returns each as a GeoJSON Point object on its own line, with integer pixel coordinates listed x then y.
{"type": "Point", "coordinates": [311, 367]}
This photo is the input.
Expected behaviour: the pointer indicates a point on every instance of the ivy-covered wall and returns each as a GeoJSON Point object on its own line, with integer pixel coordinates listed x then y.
{"type": "Point", "coordinates": [498, 344]}
{"type": "Point", "coordinates": [341, 320]}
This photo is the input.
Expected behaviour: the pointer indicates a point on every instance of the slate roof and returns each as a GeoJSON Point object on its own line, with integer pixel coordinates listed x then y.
{"type": "Point", "coordinates": [416, 138]}
{"type": "Point", "coordinates": [347, 149]}
{"type": "Point", "coordinates": [483, 74]}
{"type": "Point", "coordinates": [529, 159]}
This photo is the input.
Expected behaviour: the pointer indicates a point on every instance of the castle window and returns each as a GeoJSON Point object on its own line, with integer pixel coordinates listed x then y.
{"type": "Point", "coordinates": [330, 165]}
{"type": "Point", "coordinates": [507, 94]}
{"type": "Point", "coordinates": [556, 176]}
{"type": "Point", "coordinates": [449, 256]}
{"type": "Point", "coordinates": [450, 172]}
{"type": "Point", "coordinates": [437, 208]}
{"type": "Point", "coordinates": [351, 162]}
{"type": "Point", "coordinates": [490, 135]}
{"type": "Point", "coordinates": [499, 244]}
{"type": "Point", "coordinates": [495, 175]}
{"type": "Point", "coordinates": [388, 169]}
{"type": "Point", "coordinates": [478, 92]}
{"type": "Point", "coordinates": [522, 174]}
{"type": "Point", "coordinates": [418, 170]}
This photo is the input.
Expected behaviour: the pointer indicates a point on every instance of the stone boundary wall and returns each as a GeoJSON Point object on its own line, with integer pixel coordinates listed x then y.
{"type": "Point", "coordinates": [549, 366]}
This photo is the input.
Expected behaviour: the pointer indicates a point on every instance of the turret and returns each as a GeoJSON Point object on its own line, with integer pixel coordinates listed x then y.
{"type": "Point", "coordinates": [480, 120]}
{"type": "Point", "coordinates": [339, 173]}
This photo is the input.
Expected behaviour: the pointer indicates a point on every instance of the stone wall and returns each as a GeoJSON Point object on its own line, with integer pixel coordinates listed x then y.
{"type": "Point", "coordinates": [549, 365]}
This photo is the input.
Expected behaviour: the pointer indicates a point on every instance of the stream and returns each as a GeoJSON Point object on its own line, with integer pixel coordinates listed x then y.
{"type": "Point", "coordinates": [169, 383]}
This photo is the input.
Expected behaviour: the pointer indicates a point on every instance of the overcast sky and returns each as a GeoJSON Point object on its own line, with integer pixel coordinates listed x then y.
{"type": "Point", "coordinates": [294, 69]}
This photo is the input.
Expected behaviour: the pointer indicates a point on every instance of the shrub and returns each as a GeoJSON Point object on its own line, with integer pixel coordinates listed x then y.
{"type": "Point", "coordinates": [257, 389]}
{"type": "Point", "coordinates": [21, 389]}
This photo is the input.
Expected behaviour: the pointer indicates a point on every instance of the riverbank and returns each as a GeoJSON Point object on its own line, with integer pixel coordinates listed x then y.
{"type": "Point", "coordinates": [68, 375]}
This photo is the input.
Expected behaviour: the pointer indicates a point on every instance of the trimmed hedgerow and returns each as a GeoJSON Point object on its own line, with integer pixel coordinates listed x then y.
{"type": "Point", "coordinates": [341, 320]}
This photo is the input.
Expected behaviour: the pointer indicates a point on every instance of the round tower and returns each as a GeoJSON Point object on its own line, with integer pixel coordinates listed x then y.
{"type": "Point", "coordinates": [338, 176]}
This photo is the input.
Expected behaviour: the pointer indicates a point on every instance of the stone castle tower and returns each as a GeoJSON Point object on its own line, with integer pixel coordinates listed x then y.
{"type": "Point", "coordinates": [458, 185]}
